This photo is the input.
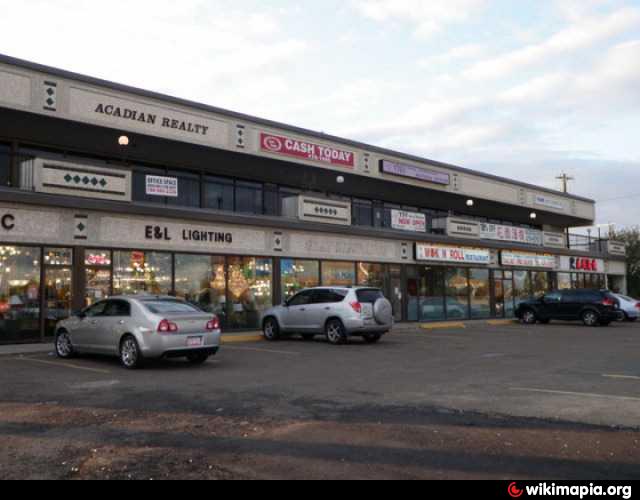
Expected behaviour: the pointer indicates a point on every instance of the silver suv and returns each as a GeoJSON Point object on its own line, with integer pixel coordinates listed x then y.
{"type": "Point", "coordinates": [139, 328]}
{"type": "Point", "coordinates": [336, 312]}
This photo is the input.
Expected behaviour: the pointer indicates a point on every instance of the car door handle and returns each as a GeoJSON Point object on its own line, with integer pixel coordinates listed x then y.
{"type": "Point", "coordinates": [327, 309]}
{"type": "Point", "coordinates": [121, 322]}
{"type": "Point", "coordinates": [302, 310]}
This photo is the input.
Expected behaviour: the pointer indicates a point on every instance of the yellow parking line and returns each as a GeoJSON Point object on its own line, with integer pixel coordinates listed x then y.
{"type": "Point", "coordinates": [622, 377]}
{"type": "Point", "coordinates": [64, 365]}
{"type": "Point", "coordinates": [502, 322]}
{"type": "Point", "coordinates": [443, 326]}
{"type": "Point", "coordinates": [236, 339]}
{"type": "Point", "coordinates": [256, 349]}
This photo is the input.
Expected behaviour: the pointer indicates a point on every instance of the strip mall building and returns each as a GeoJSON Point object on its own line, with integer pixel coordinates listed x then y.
{"type": "Point", "coordinates": [112, 190]}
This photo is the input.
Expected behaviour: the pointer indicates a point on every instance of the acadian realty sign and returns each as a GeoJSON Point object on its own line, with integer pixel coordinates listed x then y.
{"type": "Point", "coordinates": [127, 114]}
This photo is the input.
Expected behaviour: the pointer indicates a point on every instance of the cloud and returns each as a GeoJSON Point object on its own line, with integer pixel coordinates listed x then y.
{"type": "Point", "coordinates": [584, 34]}
{"type": "Point", "coordinates": [426, 17]}
{"type": "Point", "coordinates": [454, 55]}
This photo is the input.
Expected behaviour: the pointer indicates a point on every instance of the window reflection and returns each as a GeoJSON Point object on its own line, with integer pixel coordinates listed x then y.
{"type": "Point", "coordinates": [457, 288]}
{"type": "Point", "coordinates": [200, 280]}
{"type": "Point", "coordinates": [338, 274]}
{"type": "Point", "coordinates": [250, 282]}
{"type": "Point", "coordinates": [19, 293]}
{"type": "Point", "coordinates": [298, 275]}
{"type": "Point", "coordinates": [141, 272]}
{"type": "Point", "coordinates": [480, 293]}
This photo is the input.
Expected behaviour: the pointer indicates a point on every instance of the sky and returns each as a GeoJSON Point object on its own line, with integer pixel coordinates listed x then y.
{"type": "Point", "coordinates": [526, 90]}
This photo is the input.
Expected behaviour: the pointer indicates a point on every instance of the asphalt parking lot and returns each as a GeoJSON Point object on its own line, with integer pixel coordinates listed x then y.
{"type": "Point", "coordinates": [503, 402]}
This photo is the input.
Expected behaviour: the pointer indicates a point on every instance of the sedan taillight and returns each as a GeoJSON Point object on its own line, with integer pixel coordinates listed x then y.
{"type": "Point", "coordinates": [167, 326]}
{"type": "Point", "coordinates": [213, 325]}
{"type": "Point", "coordinates": [609, 302]}
{"type": "Point", "coordinates": [637, 305]}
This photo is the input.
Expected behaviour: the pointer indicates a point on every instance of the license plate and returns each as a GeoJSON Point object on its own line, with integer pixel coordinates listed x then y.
{"type": "Point", "coordinates": [194, 342]}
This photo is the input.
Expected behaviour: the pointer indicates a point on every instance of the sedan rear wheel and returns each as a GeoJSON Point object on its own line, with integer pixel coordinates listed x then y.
{"type": "Point", "coordinates": [64, 348]}
{"type": "Point", "coordinates": [130, 355]}
{"type": "Point", "coordinates": [590, 318]}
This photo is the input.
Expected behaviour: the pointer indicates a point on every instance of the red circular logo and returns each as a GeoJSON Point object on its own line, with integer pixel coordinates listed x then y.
{"type": "Point", "coordinates": [273, 144]}
{"type": "Point", "coordinates": [514, 492]}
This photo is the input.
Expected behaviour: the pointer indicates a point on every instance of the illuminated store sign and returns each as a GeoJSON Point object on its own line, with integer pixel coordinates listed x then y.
{"type": "Point", "coordinates": [430, 253]}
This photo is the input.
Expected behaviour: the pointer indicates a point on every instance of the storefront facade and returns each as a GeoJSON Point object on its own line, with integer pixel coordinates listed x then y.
{"type": "Point", "coordinates": [106, 190]}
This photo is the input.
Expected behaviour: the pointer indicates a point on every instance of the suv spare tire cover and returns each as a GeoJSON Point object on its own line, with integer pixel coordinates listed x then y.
{"type": "Point", "coordinates": [383, 312]}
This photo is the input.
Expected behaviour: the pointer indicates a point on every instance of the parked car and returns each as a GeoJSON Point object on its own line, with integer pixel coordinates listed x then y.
{"type": "Point", "coordinates": [139, 328]}
{"type": "Point", "coordinates": [630, 307]}
{"type": "Point", "coordinates": [592, 307]}
{"type": "Point", "coordinates": [336, 312]}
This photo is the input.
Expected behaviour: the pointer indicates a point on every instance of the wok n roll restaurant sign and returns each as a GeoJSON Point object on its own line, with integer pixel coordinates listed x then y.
{"type": "Point", "coordinates": [431, 253]}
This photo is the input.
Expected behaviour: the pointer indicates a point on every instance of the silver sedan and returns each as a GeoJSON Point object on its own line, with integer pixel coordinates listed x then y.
{"type": "Point", "coordinates": [139, 328]}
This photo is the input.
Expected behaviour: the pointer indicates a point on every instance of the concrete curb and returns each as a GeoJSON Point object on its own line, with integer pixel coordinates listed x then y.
{"type": "Point", "coordinates": [463, 325]}
{"type": "Point", "coordinates": [444, 326]}
{"type": "Point", "coordinates": [242, 338]}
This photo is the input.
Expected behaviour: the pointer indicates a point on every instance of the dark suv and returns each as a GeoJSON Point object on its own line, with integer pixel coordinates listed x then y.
{"type": "Point", "coordinates": [592, 307]}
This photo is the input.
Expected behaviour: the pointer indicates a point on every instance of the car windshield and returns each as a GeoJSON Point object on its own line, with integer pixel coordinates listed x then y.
{"type": "Point", "coordinates": [170, 307]}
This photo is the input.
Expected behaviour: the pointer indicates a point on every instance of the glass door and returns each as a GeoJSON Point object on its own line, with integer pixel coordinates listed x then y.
{"type": "Point", "coordinates": [58, 287]}
{"type": "Point", "coordinates": [98, 273]}
{"type": "Point", "coordinates": [499, 298]}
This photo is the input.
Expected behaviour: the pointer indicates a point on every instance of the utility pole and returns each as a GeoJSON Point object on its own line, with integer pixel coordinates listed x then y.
{"type": "Point", "coordinates": [565, 181]}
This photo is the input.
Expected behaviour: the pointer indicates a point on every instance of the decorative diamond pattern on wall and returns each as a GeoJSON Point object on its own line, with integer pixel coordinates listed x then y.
{"type": "Point", "coordinates": [50, 96]}
{"type": "Point", "coordinates": [86, 180]}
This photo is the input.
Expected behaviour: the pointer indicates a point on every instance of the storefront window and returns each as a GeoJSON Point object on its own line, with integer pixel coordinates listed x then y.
{"type": "Point", "coordinates": [480, 293]}
{"type": "Point", "coordinates": [200, 280]}
{"type": "Point", "coordinates": [141, 273]}
{"type": "Point", "coordinates": [298, 275]}
{"type": "Point", "coordinates": [58, 294]}
{"type": "Point", "coordinates": [249, 196]}
{"type": "Point", "coordinates": [431, 292]}
{"type": "Point", "coordinates": [388, 213]}
{"type": "Point", "coordinates": [457, 288]}
{"type": "Point", "coordinates": [522, 290]}
{"type": "Point", "coordinates": [140, 185]}
{"type": "Point", "coordinates": [362, 213]}
{"type": "Point", "coordinates": [395, 290]}
{"type": "Point", "coordinates": [271, 200]}
{"type": "Point", "coordinates": [338, 274]}
{"type": "Point", "coordinates": [98, 286]}
{"type": "Point", "coordinates": [413, 294]}
{"type": "Point", "coordinates": [374, 275]}
{"type": "Point", "coordinates": [19, 294]}
{"type": "Point", "coordinates": [58, 257]}
{"type": "Point", "coordinates": [219, 194]}
{"type": "Point", "coordinates": [250, 291]}
{"type": "Point", "coordinates": [188, 190]}
{"type": "Point", "coordinates": [5, 165]}
{"type": "Point", "coordinates": [564, 281]}
{"type": "Point", "coordinates": [98, 274]}
{"type": "Point", "coordinates": [540, 283]}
